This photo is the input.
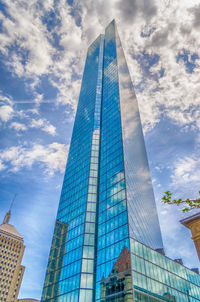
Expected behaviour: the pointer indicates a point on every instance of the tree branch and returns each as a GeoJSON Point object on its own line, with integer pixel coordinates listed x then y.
{"type": "Point", "coordinates": [191, 203]}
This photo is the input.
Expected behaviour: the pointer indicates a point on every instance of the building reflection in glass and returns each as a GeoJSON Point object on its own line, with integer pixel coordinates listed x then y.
{"type": "Point", "coordinates": [117, 287]}
{"type": "Point", "coordinates": [56, 259]}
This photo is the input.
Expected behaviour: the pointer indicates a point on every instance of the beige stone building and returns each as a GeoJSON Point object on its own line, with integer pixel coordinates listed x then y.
{"type": "Point", "coordinates": [11, 253]}
{"type": "Point", "coordinates": [193, 223]}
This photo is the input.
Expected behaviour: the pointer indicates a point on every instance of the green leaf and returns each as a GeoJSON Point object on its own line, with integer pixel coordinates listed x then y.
{"type": "Point", "coordinates": [192, 204]}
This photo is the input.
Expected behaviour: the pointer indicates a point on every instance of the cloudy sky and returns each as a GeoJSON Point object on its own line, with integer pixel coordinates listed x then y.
{"type": "Point", "coordinates": [43, 46]}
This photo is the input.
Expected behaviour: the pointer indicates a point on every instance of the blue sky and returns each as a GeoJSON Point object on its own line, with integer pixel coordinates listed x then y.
{"type": "Point", "coordinates": [43, 46]}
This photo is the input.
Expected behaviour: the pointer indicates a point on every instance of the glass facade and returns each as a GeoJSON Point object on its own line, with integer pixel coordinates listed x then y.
{"type": "Point", "coordinates": [143, 218]}
{"type": "Point", "coordinates": [107, 205]}
{"type": "Point", "coordinates": [158, 278]}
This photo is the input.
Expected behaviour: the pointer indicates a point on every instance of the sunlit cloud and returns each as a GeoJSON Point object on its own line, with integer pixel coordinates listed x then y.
{"type": "Point", "coordinates": [51, 157]}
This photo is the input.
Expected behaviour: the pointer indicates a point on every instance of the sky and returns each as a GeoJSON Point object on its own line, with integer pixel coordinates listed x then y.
{"type": "Point", "coordinates": [43, 46]}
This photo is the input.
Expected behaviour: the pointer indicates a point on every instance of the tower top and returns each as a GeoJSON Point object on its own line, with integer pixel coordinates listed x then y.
{"type": "Point", "coordinates": [7, 217]}
{"type": "Point", "coordinates": [8, 230]}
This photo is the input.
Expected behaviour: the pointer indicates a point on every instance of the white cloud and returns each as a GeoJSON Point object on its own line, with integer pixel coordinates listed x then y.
{"type": "Point", "coordinates": [185, 176]}
{"type": "Point", "coordinates": [40, 123]}
{"type": "Point", "coordinates": [52, 157]}
{"type": "Point", "coordinates": [176, 93]}
{"type": "Point", "coordinates": [38, 98]}
{"type": "Point", "coordinates": [6, 113]}
{"type": "Point", "coordinates": [33, 111]}
{"type": "Point", "coordinates": [5, 99]}
{"type": "Point", "coordinates": [36, 123]}
{"type": "Point", "coordinates": [26, 31]}
{"type": "Point", "coordinates": [50, 129]}
{"type": "Point", "coordinates": [6, 108]}
{"type": "Point", "coordinates": [33, 53]}
{"type": "Point", "coordinates": [18, 126]}
{"type": "Point", "coordinates": [2, 166]}
{"type": "Point", "coordinates": [44, 125]}
{"type": "Point", "coordinates": [173, 27]}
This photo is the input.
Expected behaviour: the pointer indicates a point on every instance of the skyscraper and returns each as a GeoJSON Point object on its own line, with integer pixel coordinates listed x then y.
{"type": "Point", "coordinates": [11, 253]}
{"type": "Point", "coordinates": [107, 202]}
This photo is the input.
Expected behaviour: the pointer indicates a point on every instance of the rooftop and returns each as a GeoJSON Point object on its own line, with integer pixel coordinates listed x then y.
{"type": "Point", "coordinates": [189, 219]}
{"type": "Point", "coordinates": [8, 230]}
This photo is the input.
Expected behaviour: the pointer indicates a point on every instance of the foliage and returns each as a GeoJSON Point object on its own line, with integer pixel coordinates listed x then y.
{"type": "Point", "coordinates": [190, 204]}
